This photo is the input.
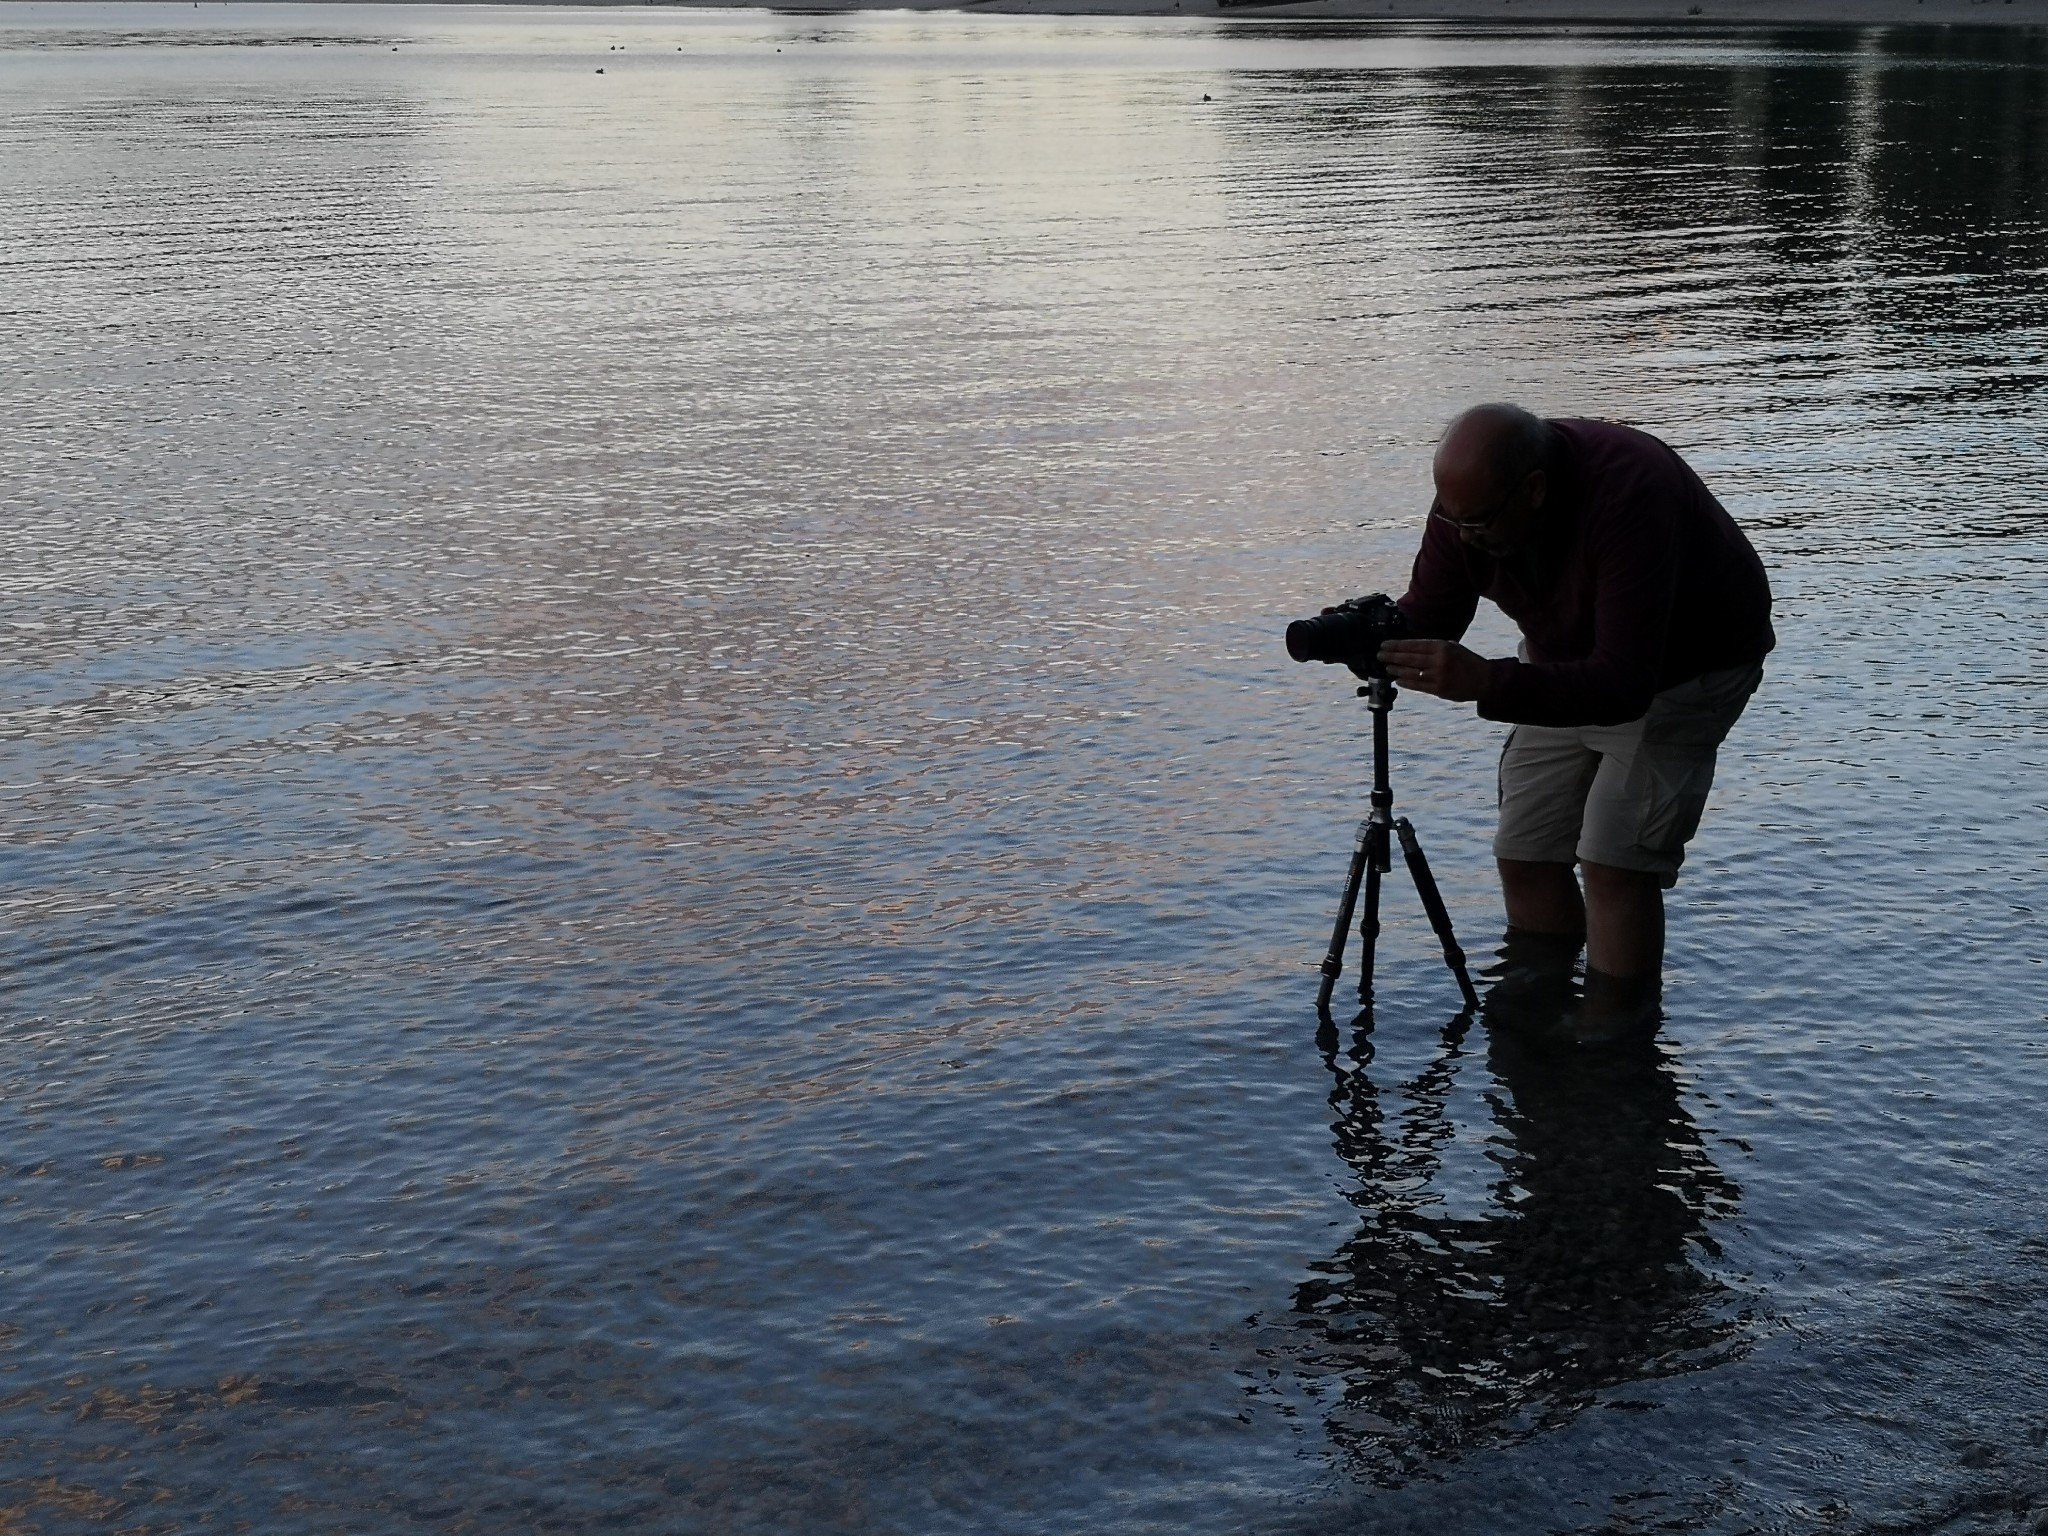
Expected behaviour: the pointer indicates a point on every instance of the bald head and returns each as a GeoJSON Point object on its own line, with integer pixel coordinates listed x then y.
{"type": "Point", "coordinates": [1489, 469]}
{"type": "Point", "coordinates": [1495, 444]}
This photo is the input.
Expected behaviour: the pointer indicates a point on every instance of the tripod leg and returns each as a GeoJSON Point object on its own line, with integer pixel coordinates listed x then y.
{"type": "Point", "coordinates": [1333, 962]}
{"type": "Point", "coordinates": [1377, 858]}
{"type": "Point", "coordinates": [1433, 904]}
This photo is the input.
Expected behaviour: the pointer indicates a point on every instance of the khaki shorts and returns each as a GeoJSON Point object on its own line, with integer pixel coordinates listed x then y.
{"type": "Point", "coordinates": [1629, 795]}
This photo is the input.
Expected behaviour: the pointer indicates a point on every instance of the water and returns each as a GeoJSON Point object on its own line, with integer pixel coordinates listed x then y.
{"type": "Point", "coordinates": [661, 867]}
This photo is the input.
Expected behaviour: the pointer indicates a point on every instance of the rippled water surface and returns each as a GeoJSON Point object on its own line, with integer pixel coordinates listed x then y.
{"type": "Point", "coordinates": [661, 869]}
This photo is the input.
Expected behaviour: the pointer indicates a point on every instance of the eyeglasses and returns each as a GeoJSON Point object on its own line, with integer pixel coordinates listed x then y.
{"type": "Point", "coordinates": [1479, 525]}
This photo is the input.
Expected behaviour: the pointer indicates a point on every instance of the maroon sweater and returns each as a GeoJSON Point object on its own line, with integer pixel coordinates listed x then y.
{"type": "Point", "coordinates": [1635, 581]}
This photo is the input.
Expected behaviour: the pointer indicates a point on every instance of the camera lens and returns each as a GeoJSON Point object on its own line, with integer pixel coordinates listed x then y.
{"type": "Point", "coordinates": [1301, 639]}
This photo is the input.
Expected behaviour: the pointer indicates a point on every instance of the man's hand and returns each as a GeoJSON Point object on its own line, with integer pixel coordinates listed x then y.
{"type": "Point", "coordinates": [1440, 667]}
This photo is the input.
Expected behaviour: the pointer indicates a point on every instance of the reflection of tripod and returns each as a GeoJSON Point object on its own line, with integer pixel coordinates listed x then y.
{"type": "Point", "coordinates": [1372, 856]}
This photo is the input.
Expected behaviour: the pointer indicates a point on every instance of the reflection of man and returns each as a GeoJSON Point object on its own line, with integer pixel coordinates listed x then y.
{"type": "Point", "coordinates": [1645, 618]}
{"type": "Point", "coordinates": [1436, 1326]}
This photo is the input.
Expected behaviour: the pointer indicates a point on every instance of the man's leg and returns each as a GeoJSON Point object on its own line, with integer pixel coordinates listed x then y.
{"type": "Point", "coordinates": [1624, 953]}
{"type": "Point", "coordinates": [1542, 897]}
{"type": "Point", "coordinates": [1624, 921]}
{"type": "Point", "coordinates": [1642, 810]}
{"type": "Point", "coordinates": [1532, 971]}
{"type": "Point", "coordinates": [1621, 914]}
{"type": "Point", "coordinates": [1544, 777]}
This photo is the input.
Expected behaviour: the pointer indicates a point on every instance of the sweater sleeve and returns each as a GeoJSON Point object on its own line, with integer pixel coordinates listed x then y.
{"type": "Point", "coordinates": [1633, 544]}
{"type": "Point", "coordinates": [1442, 595]}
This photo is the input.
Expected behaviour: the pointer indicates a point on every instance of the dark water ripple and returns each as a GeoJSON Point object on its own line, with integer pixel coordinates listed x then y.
{"type": "Point", "coordinates": [660, 870]}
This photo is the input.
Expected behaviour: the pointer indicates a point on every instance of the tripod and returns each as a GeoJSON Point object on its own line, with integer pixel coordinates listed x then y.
{"type": "Point", "coordinates": [1372, 856]}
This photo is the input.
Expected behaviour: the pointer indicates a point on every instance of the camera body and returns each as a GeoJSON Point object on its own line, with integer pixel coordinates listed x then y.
{"type": "Point", "coordinates": [1349, 634]}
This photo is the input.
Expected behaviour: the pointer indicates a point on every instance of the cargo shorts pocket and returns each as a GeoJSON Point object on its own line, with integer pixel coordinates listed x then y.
{"type": "Point", "coordinates": [1673, 771]}
{"type": "Point", "coordinates": [1670, 786]}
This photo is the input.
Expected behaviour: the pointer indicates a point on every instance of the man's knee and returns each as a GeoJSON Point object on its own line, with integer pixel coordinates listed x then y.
{"type": "Point", "coordinates": [1534, 874]}
{"type": "Point", "coordinates": [1605, 882]}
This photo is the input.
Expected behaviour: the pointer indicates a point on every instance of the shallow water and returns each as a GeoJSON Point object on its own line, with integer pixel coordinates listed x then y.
{"type": "Point", "coordinates": [662, 870]}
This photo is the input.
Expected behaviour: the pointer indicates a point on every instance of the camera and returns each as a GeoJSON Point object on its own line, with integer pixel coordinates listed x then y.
{"type": "Point", "coordinates": [1349, 634]}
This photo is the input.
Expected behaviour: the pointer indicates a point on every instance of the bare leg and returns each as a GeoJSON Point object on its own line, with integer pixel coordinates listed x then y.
{"type": "Point", "coordinates": [1542, 898]}
{"type": "Point", "coordinates": [1624, 921]}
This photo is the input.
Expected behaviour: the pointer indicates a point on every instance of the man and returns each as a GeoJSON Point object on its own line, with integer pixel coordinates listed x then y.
{"type": "Point", "coordinates": [1645, 617]}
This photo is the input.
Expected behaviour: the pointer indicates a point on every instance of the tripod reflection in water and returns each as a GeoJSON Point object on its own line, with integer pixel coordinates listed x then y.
{"type": "Point", "coordinates": [1428, 1331]}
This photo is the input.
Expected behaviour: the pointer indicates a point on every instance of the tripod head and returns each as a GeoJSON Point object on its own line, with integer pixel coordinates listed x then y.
{"type": "Point", "coordinates": [1379, 694]}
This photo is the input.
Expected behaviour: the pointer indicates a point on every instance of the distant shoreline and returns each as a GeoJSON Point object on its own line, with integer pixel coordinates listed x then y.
{"type": "Point", "coordinates": [1678, 14]}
